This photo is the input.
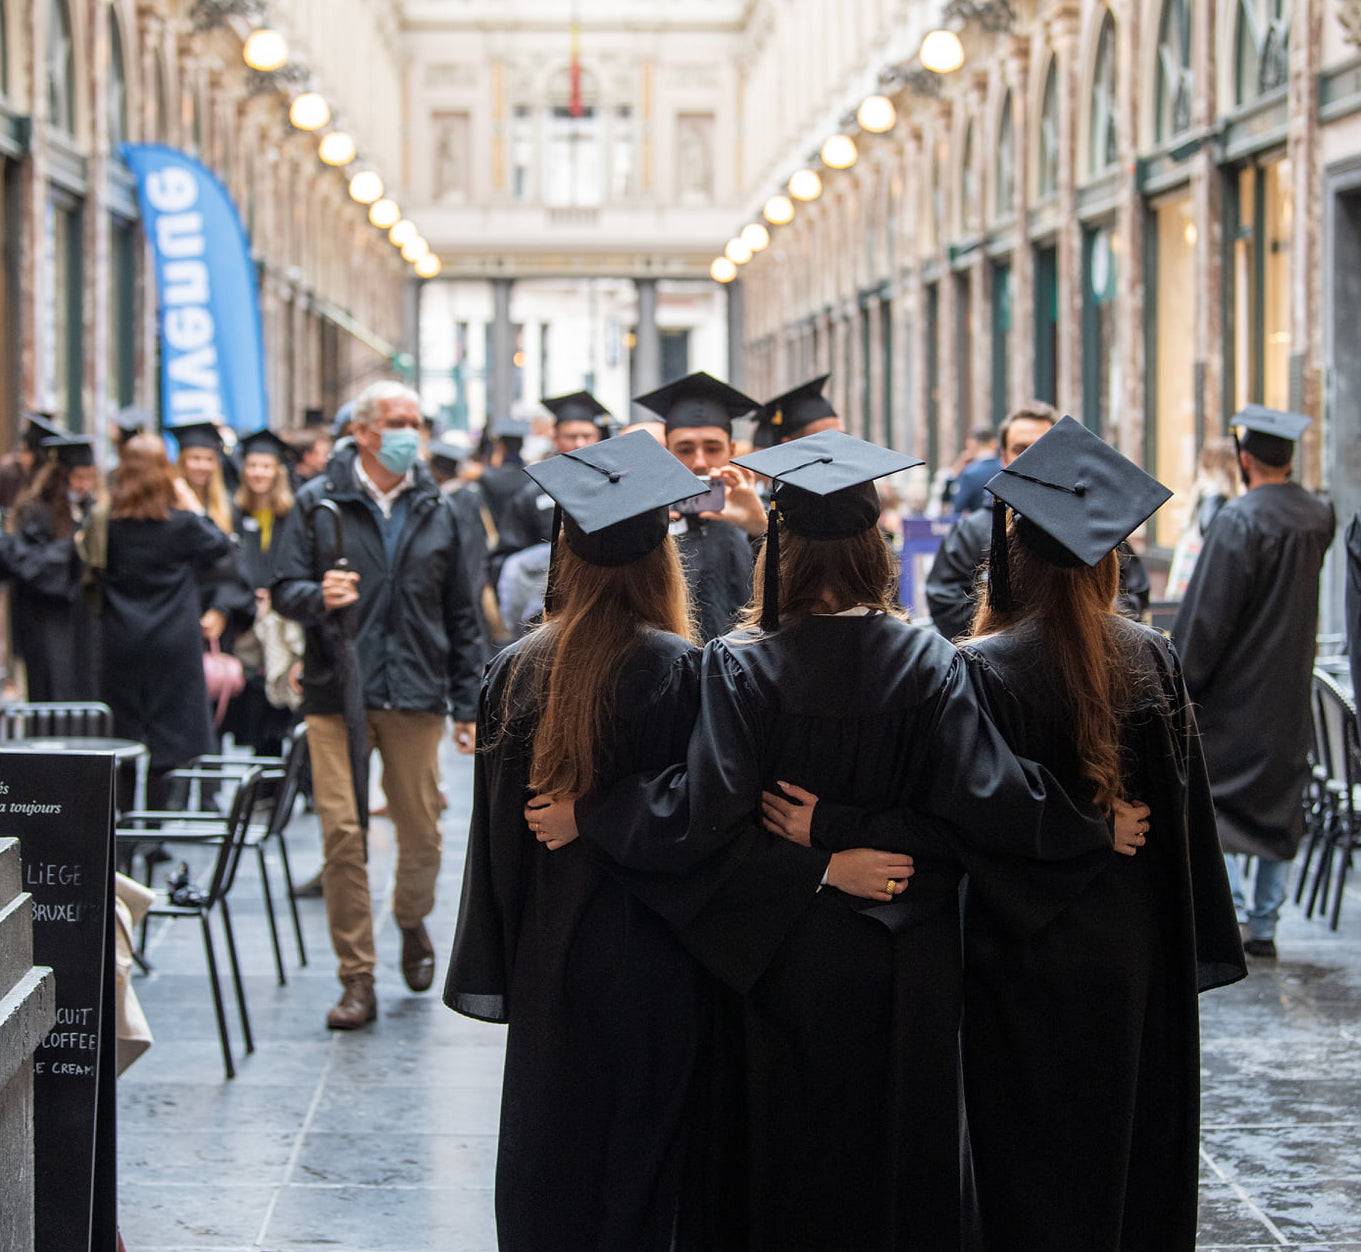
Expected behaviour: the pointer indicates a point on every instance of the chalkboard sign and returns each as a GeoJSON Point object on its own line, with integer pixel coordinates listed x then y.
{"type": "Point", "coordinates": [60, 806]}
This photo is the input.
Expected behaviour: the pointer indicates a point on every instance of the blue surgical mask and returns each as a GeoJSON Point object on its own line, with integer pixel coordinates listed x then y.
{"type": "Point", "coordinates": [400, 450]}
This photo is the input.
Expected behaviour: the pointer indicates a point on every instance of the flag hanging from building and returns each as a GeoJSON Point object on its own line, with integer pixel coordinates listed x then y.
{"type": "Point", "coordinates": [212, 357]}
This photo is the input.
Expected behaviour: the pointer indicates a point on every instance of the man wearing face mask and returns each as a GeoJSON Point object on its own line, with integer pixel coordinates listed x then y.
{"type": "Point", "coordinates": [420, 655]}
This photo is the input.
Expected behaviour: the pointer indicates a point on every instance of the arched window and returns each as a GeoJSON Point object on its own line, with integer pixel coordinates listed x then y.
{"type": "Point", "coordinates": [573, 166]}
{"type": "Point", "coordinates": [1006, 162]}
{"type": "Point", "coordinates": [1105, 141]}
{"type": "Point", "coordinates": [1261, 47]}
{"type": "Point", "coordinates": [162, 128]}
{"type": "Point", "coordinates": [61, 78]}
{"type": "Point", "coordinates": [1176, 80]}
{"type": "Point", "coordinates": [117, 87]}
{"type": "Point", "coordinates": [968, 184]}
{"type": "Point", "coordinates": [1049, 131]}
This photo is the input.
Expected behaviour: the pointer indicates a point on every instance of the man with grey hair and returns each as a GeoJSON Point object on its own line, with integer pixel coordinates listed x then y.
{"type": "Point", "coordinates": [420, 655]}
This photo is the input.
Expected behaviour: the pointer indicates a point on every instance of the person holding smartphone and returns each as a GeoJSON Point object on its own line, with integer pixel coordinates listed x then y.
{"type": "Point", "coordinates": [714, 532]}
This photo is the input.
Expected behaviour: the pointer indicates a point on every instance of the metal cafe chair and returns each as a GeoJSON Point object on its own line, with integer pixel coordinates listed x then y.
{"type": "Point", "coordinates": [227, 836]}
{"type": "Point", "coordinates": [1320, 802]}
{"type": "Point", "coordinates": [1337, 715]}
{"type": "Point", "coordinates": [55, 721]}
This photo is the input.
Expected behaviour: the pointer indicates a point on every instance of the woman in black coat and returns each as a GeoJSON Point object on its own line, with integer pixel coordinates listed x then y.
{"type": "Point", "coordinates": [159, 544]}
{"type": "Point", "coordinates": [54, 629]}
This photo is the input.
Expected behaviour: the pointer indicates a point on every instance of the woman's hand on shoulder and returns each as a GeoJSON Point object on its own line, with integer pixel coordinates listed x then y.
{"type": "Point", "coordinates": [554, 822]}
{"type": "Point", "coordinates": [791, 819]}
{"type": "Point", "coordinates": [869, 873]}
{"type": "Point", "coordinates": [1129, 825]}
{"type": "Point", "coordinates": [186, 499]}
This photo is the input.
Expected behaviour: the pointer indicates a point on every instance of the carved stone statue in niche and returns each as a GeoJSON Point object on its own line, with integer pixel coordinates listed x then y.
{"type": "Point", "coordinates": [451, 156]}
{"type": "Point", "coordinates": [695, 158]}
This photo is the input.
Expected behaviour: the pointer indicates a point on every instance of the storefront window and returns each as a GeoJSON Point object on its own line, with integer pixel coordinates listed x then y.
{"type": "Point", "coordinates": [965, 416]}
{"type": "Point", "coordinates": [1100, 366]}
{"type": "Point", "coordinates": [1261, 47]}
{"type": "Point", "coordinates": [1176, 81]}
{"type": "Point", "coordinates": [63, 316]}
{"type": "Point", "coordinates": [1105, 149]}
{"type": "Point", "coordinates": [1049, 132]}
{"type": "Point", "coordinates": [1006, 162]}
{"type": "Point", "coordinates": [117, 87]}
{"type": "Point", "coordinates": [4, 51]}
{"type": "Point", "coordinates": [122, 311]}
{"type": "Point", "coordinates": [932, 346]}
{"type": "Point", "coordinates": [1261, 281]}
{"type": "Point", "coordinates": [61, 80]}
{"type": "Point", "coordinates": [621, 153]}
{"type": "Point", "coordinates": [1047, 323]}
{"type": "Point", "coordinates": [1001, 339]}
{"type": "Point", "coordinates": [1173, 436]}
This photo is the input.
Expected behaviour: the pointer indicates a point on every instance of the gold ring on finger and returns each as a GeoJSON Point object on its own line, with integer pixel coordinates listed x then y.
{"type": "Point", "coordinates": [892, 886]}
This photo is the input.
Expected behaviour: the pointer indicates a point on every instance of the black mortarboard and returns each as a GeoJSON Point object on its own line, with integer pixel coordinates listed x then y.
{"type": "Point", "coordinates": [1269, 434]}
{"type": "Point", "coordinates": [451, 446]}
{"type": "Point", "coordinates": [511, 428]}
{"type": "Point", "coordinates": [823, 489]}
{"type": "Point", "coordinates": [614, 497]}
{"type": "Point", "coordinates": [789, 413]}
{"type": "Point", "coordinates": [72, 451]}
{"type": "Point", "coordinates": [131, 421]}
{"type": "Point", "coordinates": [698, 399]}
{"type": "Point", "coordinates": [580, 406]}
{"type": "Point", "coordinates": [1075, 498]}
{"type": "Point", "coordinates": [270, 444]}
{"type": "Point", "coordinates": [196, 435]}
{"type": "Point", "coordinates": [40, 427]}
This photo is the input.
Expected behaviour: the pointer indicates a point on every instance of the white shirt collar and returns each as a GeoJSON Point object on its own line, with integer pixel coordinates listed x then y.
{"type": "Point", "coordinates": [383, 499]}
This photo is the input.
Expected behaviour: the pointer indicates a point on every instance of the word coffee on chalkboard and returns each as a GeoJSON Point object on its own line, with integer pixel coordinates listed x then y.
{"type": "Point", "coordinates": [60, 807]}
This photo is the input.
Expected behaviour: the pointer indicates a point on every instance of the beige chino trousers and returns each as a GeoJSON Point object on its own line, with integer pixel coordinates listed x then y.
{"type": "Point", "coordinates": [408, 743]}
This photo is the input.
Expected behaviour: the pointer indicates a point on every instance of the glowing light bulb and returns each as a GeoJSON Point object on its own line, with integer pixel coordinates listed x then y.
{"type": "Point", "coordinates": [309, 111]}
{"type": "Point", "coordinates": [722, 270]}
{"type": "Point", "coordinates": [366, 187]}
{"type": "Point", "coordinates": [779, 210]}
{"type": "Point", "coordinates": [265, 50]}
{"type": "Point", "coordinates": [756, 237]}
{"type": "Point", "coordinates": [805, 185]}
{"type": "Point", "coordinates": [384, 213]}
{"type": "Point", "coordinates": [416, 249]}
{"type": "Point", "coordinates": [337, 148]}
{"type": "Point", "coordinates": [428, 266]}
{"type": "Point", "coordinates": [737, 252]}
{"type": "Point", "coordinates": [876, 114]}
{"type": "Point", "coordinates": [403, 233]}
{"type": "Point", "coordinates": [839, 152]}
{"type": "Point", "coordinates": [941, 52]}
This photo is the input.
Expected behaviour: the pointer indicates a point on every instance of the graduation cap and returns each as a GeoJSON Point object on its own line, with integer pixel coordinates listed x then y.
{"type": "Point", "coordinates": [196, 435]}
{"type": "Point", "coordinates": [614, 498]}
{"type": "Point", "coordinates": [40, 428]}
{"type": "Point", "coordinates": [1075, 498]}
{"type": "Point", "coordinates": [823, 489]}
{"type": "Point", "coordinates": [511, 428]}
{"type": "Point", "coordinates": [1269, 434]}
{"type": "Point", "coordinates": [580, 406]}
{"type": "Point", "coordinates": [72, 451]}
{"type": "Point", "coordinates": [131, 421]}
{"type": "Point", "coordinates": [344, 416]}
{"type": "Point", "coordinates": [267, 442]}
{"type": "Point", "coordinates": [451, 446]}
{"type": "Point", "coordinates": [698, 399]}
{"type": "Point", "coordinates": [805, 404]}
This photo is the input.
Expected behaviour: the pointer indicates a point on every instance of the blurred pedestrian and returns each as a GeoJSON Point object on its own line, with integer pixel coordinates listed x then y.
{"type": "Point", "coordinates": [1216, 484]}
{"type": "Point", "coordinates": [1080, 1036]}
{"type": "Point", "coordinates": [159, 543]}
{"type": "Point", "coordinates": [1247, 631]}
{"type": "Point", "coordinates": [420, 655]}
{"type": "Point", "coordinates": [968, 491]}
{"type": "Point", "coordinates": [54, 629]}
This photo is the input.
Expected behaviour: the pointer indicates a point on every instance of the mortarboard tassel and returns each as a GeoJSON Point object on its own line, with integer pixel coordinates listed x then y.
{"type": "Point", "coordinates": [999, 569]}
{"type": "Point", "coordinates": [770, 590]}
{"type": "Point", "coordinates": [552, 562]}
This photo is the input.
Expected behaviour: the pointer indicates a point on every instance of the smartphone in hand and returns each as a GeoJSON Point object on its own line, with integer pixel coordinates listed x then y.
{"type": "Point", "coordinates": [710, 502]}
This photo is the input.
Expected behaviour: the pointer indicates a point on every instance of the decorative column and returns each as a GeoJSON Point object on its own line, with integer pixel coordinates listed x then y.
{"type": "Point", "coordinates": [647, 348]}
{"type": "Point", "coordinates": [1127, 421]}
{"type": "Point", "coordinates": [500, 384]}
{"type": "Point", "coordinates": [1208, 215]}
{"type": "Point", "coordinates": [1063, 32]}
{"type": "Point", "coordinates": [1022, 255]}
{"type": "Point", "coordinates": [1306, 270]}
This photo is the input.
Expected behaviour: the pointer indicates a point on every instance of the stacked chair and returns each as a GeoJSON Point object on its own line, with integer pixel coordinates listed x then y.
{"type": "Point", "coordinates": [1332, 798]}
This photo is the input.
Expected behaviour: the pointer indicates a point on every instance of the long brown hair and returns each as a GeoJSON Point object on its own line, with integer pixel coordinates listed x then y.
{"type": "Point", "coordinates": [821, 574]}
{"type": "Point", "coordinates": [277, 500]}
{"type": "Point", "coordinates": [143, 483]}
{"type": "Point", "coordinates": [571, 664]}
{"type": "Point", "coordinates": [1075, 612]}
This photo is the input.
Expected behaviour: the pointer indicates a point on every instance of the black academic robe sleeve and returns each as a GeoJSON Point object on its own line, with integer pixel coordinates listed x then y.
{"type": "Point", "coordinates": [43, 563]}
{"type": "Point", "coordinates": [952, 582]}
{"type": "Point", "coordinates": [463, 628]}
{"type": "Point", "coordinates": [1207, 622]}
{"type": "Point", "coordinates": [296, 590]}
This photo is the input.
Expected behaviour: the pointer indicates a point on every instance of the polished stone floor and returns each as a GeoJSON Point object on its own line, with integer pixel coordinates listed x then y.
{"type": "Point", "coordinates": [384, 1140]}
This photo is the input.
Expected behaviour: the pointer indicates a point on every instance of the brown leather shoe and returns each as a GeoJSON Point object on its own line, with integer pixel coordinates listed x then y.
{"type": "Point", "coordinates": [358, 1005]}
{"type": "Point", "coordinates": [418, 957]}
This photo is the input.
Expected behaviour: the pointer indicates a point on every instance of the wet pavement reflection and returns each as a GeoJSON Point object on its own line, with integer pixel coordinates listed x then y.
{"type": "Point", "coordinates": [384, 1140]}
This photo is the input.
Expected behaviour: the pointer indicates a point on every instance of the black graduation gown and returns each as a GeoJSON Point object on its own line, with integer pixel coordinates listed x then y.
{"type": "Point", "coordinates": [843, 1130]}
{"type": "Point", "coordinates": [1246, 634]}
{"type": "Point", "coordinates": [602, 1004]}
{"type": "Point", "coordinates": [54, 629]}
{"type": "Point", "coordinates": [952, 582]}
{"type": "Point", "coordinates": [718, 559]}
{"type": "Point", "coordinates": [153, 647]}
{"type": "Point", "coordinates": [1081, 1040]}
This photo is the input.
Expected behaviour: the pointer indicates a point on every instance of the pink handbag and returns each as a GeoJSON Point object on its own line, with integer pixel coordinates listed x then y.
{"type": "Point", "coordinates": [225, 678]}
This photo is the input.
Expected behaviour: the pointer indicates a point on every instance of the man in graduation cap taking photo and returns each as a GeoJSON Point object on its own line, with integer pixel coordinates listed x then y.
{"type": "Point", "coordinates": [1246, 633]}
